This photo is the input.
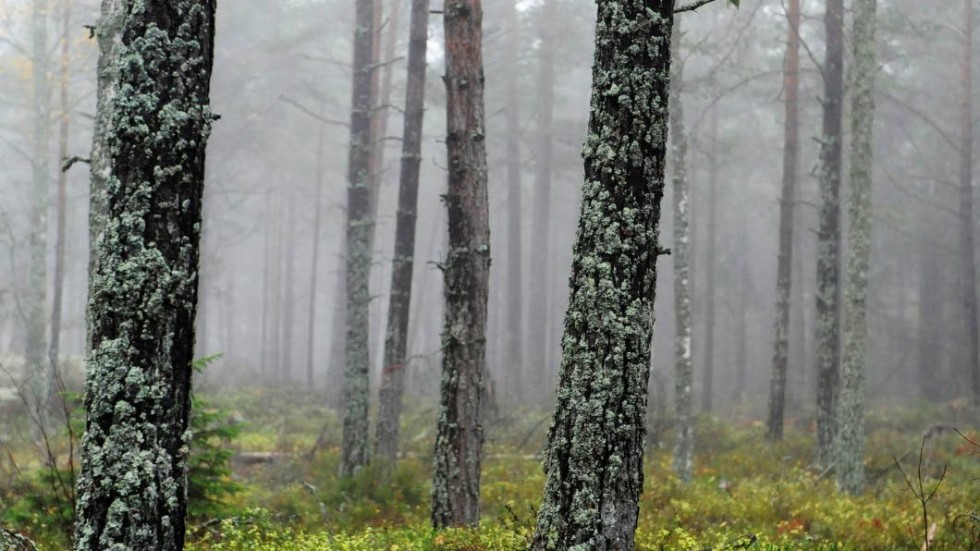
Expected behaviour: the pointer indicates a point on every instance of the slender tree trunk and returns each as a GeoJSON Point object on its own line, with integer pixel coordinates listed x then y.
{"type": "Point", "coordinates": [132, 488]}
{"type": "Point", "coordinates": [828, 252]}
{"type": "Point", "coordinates": [37, 282]}
{"type": "Point", "coordinates": [849, 432]}
{"type": "Point", "coordinates": [61, 205]}
{"type": "Point", "coordinates": [967, 226]}
{"type": "Point", "coordinates": [514, 329]}
{"type": "Point", "coordinates": [594, 456]}
{"type": "Point", "coordinates": [929, 318]}
{"type": "Point", "coordinates": [540, 237]}
{"type": "Point", "coordinates": [787, 207]}
{"type": "Point", "coordinates": [742, 306]}
{"type": "Point", "coordinates": [315, 259]}
{"type": "Point", "coordinates": [396, 339]}
{"type": "Point", "coordinates": [459, 440]}
{"type": "Point", "coordinates": [680, 254]}
{"type": "Point", "coordinates": [289, 290]}
{"type": "Point", "coordinates": [354, 450]}
{"type": "Point", "coordinates": [338, 329]}
{"type": "Point", "coordinates": [707, 391]}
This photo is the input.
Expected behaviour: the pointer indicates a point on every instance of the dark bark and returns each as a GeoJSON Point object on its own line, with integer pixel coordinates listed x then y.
{"type": "Point", "coordinates": [539, 372]}
{"type": "Point", "coordinates": [828, 233]}
{"type": "Point", "coordinates": [396, 338]}
{"type": "Point", "coordinates": [360, 223]}
{"type": "Point", "coordinates": [787, 206]}
{"type": "Point", "coordinates": [459, 440]}
{"type": "Point", "coordinates": [594, 456]}
{"type": "Point", "coordinates": [132, 488]}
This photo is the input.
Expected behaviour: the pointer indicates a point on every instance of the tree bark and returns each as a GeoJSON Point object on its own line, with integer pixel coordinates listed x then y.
{"type": "Point", "coordinates": [680, 254]}
{"type": "Point", "coordinates": [594, 456]}
{"type": "Point", "coordinates": [396, 339]}
{"type": "Point", "coordinates": [360, 222]}
{"type": "Point", "coordinates": [132, 488]}
{"type": "Point", "coordinates": [850, 435]}
{"type": "Point", "coordinates": [787, 207]}
{"type": "Point", "coordinates": [538, 316]}
{"type": "Point", "coordinates": [459, 440]}
{"type": "Point", "coordinates": [828, 255]}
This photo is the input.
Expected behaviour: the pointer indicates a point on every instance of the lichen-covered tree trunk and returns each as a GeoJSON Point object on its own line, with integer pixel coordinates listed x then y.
{"type": "Point", "coordinates": [594, 456]}
{"type": "Point", "coordinates": [787, 207]}
{"type": "Point", "coordinates": [683, 367]}
{"type": "Point", "coordinates": [360, 220]}
{"type": "Point", "coordinates": [967, 244]}
{"type": "Point", "coordinates": [849, 433]}
{"type": "Point", "coordinates": [828, 234]}
{"type": "Point", "coordinates": [459, 440]}
{"type": "Point", "coordinates": [515, 290]}
{"type": "Point", "coordinates": [539, 375]}
{"type": "Point", "coordinates": [37, 274]}
{"type": "Point", "coordinates": [396, 339]}
{"type": "Point", "coordinates": [132, 488]}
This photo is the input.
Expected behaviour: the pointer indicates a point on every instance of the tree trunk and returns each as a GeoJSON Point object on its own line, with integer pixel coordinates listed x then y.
{"type": "Point", "coordinates": [459, 441]}
{"type": "Point", "coordinates": [930, 318]}
{"type": "Point", "coordinates": [396, 338]}
{"type": "Point", "coordinates": [37, 283]}
{"type": "Point", "coordinates": [594, 456]}
{"type": "Point", "coordinates": [828, 255]}
{"type": "Point", "coordinates": [849, 432]}
{"type": "Point", "coordinates": [289, 289]}
{"type": "Point", "coordinates": [537, 338]}
{"type": "Point", "coordinates": [132, 488]}
{"type": "Point", "coordinates": [315, 258]}
{"type": "Point", "coordinates": [787, 207]}
{"type": "Point", "coordinates": [515, 302]}
{"type": "Point", "coordinates": [680, 254]}
{"type": "Point", "coordinates": [707, 390]}
{"type": "Point", "coordinates": [967, 229]}
{"type": "Point", "coordinates": [354, 450]}
{"type": "Point", "coordinates": [61, 205]}
{"type": "Point", "coordinates": [744, 290]}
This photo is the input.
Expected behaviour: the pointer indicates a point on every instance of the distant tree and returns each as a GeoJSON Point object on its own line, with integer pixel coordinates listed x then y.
{"type": "Point", "coordinates": [152, 126]}
{"type": "Point", "coordinates": [850, 436]}
{"type": "Point", "coordinates": [680, 253]}
{"type": "Point", "coordinates": [710, 317]}
{"type": "Point", "coordinates": [595, 445]}
{"type": "Point", "coordinates": [967, 239]}
{"type": "Point", "coordinates": [828, 234]}
{"type": "Point", "coordinates": [459, 439]}
{"type": "Point", "coordinates": [396, 339]}
{"type": "Point", "coordinates": [787, 206]}
{"type": "Point", "coordinates": [355, 446]}
{"type": "Point", "coordinates": [515, 303]}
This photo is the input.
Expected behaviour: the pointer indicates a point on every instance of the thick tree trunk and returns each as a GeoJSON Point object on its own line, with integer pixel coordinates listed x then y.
{"type": "Point", "coordinates": [850, 436]}
{"type": "Point", "coordinates": [594, 456]}
{"type": "Point", "coordinates": [967, 226]}
{"type": "Point", "coordinates": [132, 488]}
{"type": "Point", "coordinates": [707, 389]}
{"type": "Point", "coordinates": [514, 330]}
{"type": "Point", "coordinates": [680, 254]}
{"type": "Point", "coordinates": [459, 440]}
{"type": "Point", "coordinates": [360, 222]}
{"type": "Point", "coordinates": [787, 207]}
{"type": "Point", "coordinates": [37, 275]}
{"type": "Point", "coordinates": [539, 374]}
{"type": "Point", "coordinates": [396, 339]}
{"type": "Point", "coordinates": [828, 251]}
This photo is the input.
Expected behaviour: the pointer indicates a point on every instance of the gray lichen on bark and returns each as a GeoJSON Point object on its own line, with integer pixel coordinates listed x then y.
{"type": "Point", "coordinates": [850, 434]}
{"type": "Point", "coordinates": [154, 119]}
{"type": "Point", "coordinates": [594, 455]}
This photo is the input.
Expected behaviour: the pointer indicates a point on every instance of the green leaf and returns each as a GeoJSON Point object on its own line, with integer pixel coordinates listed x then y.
{"type": "Point", "coordinates": [734, 2]}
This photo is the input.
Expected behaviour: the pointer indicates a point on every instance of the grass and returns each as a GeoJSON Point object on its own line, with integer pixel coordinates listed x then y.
{"type": "Point", "coordinates": [744, 494]}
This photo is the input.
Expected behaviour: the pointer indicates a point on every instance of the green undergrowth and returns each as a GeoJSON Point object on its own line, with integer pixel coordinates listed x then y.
{"type": "Point", "coordinates": [745, 494]}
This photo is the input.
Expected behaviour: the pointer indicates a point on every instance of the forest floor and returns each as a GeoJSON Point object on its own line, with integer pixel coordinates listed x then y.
{"type": "Point", "coordinates": [282, 491]}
